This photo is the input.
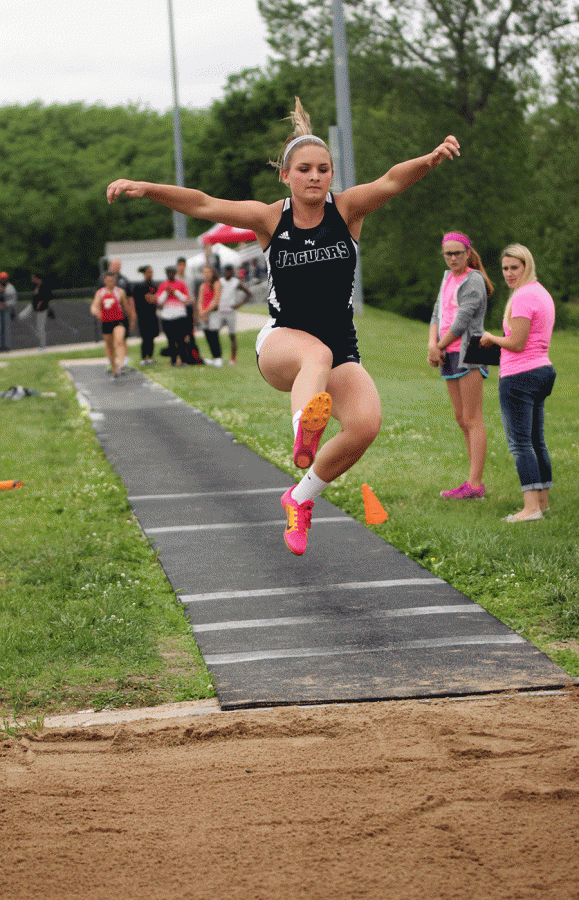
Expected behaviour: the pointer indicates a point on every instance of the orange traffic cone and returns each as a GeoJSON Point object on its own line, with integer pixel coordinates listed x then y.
{"type": "Point", "coordinates": [375, 512]}
{"type": "Point", "coordinates": [8, 485]}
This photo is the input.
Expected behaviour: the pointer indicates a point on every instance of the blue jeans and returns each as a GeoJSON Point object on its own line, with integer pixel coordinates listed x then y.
{"type": "Point", "coordinates": [522, 398]}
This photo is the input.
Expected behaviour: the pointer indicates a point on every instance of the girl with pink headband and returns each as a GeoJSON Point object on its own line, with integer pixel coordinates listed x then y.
{"type": "Point", "coordinates": [458, 315]}
{"type": "Point", "coordinates": [309, 346]}
{"type": "Point", "coordinates": [456, 236]}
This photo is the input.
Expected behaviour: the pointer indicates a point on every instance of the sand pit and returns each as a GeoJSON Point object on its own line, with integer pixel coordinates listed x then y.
{"type": "Point", "coordinates": [473, 798]}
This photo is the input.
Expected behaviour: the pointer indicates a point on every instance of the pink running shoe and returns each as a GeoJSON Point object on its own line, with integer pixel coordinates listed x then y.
{"type": "Point", "coordinates": [314, 419]}
{"type": "Point", "coordinates": [465, 492]}
{"type": "Point", "coordinates": [299, 519]}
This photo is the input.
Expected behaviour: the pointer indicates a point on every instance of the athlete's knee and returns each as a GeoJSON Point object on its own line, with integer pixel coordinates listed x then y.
{"type": "Point", "coordinates": [366, 428]}
{"type": "Point", "coordinates": [318, 354]}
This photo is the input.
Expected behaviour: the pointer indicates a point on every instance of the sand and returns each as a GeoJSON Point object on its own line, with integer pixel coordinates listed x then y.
{"type": "Point", "coordinates": [433, 800]}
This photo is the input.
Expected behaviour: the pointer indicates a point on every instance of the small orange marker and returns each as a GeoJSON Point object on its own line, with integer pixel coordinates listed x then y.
{"type": "Point", "coordinates": [375, 512]}
{"type": "Point", "coordinates": [8, 485]}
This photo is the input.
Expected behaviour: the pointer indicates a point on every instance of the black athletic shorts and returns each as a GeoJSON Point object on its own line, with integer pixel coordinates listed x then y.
{"type": "Point", "coordinates": [109, 326]}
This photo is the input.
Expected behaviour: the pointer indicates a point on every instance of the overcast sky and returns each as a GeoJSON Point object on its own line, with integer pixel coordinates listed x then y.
{"type": "Point", "coordinates": [117, 51]}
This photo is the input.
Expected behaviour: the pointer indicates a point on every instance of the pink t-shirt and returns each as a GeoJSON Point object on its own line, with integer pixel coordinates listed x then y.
{"type": "Point", "coordinates": [532, 302]}
{"type": "Point", "coordinates": [449, 306]}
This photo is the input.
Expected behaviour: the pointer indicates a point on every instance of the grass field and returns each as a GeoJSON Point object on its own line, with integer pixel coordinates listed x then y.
{"type": "Point", "coordinates": [87, 618]}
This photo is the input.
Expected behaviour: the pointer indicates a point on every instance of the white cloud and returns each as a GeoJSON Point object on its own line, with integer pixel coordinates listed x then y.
{"type": "Point", "coordinates": [117, 51]}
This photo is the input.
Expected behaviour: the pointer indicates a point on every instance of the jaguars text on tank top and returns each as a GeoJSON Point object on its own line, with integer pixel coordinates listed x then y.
{"type": "Point", "coordinates": [311, 277]}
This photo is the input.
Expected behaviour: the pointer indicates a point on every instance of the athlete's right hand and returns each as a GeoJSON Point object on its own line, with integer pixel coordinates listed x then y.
{"type": "Point", "coordinates": [125, 186]}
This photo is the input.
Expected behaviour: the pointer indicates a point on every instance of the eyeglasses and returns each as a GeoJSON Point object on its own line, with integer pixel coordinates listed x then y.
{"type": "Point", "coordinates": [448, 254]}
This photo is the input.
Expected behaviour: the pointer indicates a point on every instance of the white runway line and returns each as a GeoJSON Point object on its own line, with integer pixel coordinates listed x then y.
{"type": "Point", "coordinates": [290, 621]}
{"type": "Point", "coordinates": [308, 589]}
{"type": "Point", "coordinates": [228, 659]}
{"type": "Point", "coordinates": [207, 494]}
{"type": "Point", "coordinates": [177, 529]}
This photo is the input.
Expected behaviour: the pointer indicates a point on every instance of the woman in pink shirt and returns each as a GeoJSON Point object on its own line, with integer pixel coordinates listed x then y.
{"type": "Point", "coordinates": [526, 378]}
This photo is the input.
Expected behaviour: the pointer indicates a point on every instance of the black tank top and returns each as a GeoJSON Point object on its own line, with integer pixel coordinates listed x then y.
{"type": "Point", "coordinates": [311, 278]}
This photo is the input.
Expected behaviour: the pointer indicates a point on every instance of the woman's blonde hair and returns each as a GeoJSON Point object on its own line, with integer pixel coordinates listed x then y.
{"type": "Point", "coordinates": [524, 255]}
{"type": "Point", "coordinates": [300, 136]}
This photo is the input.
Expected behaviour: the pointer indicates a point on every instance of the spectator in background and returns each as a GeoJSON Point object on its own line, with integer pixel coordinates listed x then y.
{"type": "Point", "coordinates": [182, 276]}
{"type": "Point", "coordinates": [458, 315]}
{"type": "Point", "coordinates": [8, 298]}
{"type": "Point", "coordinates": [207, 301]}
{"type": "Point", "coordinates": [194, 357]}
{"type": "Point", "coordinates": [181, 269]}
{"type": "Point", "coordinates": [226, 312]}
{"type": "Point", "coordinates": [526, 378]}
{"type": "Point", "coordinates": [42, 295]}
{"type": "Point", "coordinates": [145, 300]}
{"type": "Point", "coordinates": [173, 299]}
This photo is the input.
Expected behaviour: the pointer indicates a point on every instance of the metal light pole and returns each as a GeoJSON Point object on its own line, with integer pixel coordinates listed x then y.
{"type": "Point", "coordinates": [343, 132]}
{"type": "Point", "coordinates": [179, 220]}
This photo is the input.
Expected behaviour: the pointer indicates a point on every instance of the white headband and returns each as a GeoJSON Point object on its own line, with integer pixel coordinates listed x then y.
{"type": "Point", "coordinates": [303, 137]}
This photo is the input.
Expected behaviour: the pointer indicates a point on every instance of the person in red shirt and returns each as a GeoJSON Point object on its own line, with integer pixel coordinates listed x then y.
{"type": "Point", "coordinates": [172, 301]}
{"type": "Point", "coordinates": [208, 301]}
{"type": "Point", "coordinates": [111, 307]}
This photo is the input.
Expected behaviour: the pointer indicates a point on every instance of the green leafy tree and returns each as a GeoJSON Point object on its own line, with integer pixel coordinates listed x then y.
{"type": "Point", "coordinates": [468, 47]}
{"type": "Point", "coordinates": [54, 169]}
{"type": "Point", "coordinates": [301, 32]}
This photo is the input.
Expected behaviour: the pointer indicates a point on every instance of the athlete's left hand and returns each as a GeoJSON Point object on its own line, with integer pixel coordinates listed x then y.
{"type": "Point", "coordinates": [449, 148]}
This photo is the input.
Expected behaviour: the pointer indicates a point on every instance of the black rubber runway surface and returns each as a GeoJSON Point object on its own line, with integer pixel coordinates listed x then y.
{"type": "Point", "coordinates": [351, 620]}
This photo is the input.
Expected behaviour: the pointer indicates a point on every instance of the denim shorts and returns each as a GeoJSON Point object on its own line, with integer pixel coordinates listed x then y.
{"type": "Point", "coordinates": [450, 368]}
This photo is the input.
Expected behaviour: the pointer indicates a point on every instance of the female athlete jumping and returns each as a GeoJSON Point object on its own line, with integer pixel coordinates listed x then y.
{"type": "Point", "coordinates": [309, 347]}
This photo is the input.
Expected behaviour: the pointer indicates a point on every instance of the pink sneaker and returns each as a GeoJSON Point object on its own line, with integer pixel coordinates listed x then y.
{"type": "Point", "coordinates": [299, 519]}
{"type": "Point", "coordinates": [314, 419]}
{"type": "Point", "coordinates": [465, 492]}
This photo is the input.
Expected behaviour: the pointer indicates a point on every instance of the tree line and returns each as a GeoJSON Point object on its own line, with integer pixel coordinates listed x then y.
{"type": "Point", "coordinates": [418, 72]}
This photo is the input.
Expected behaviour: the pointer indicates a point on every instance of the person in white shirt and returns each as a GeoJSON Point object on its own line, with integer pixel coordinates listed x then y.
{"type": "Point", "coordinates": [233, 295]}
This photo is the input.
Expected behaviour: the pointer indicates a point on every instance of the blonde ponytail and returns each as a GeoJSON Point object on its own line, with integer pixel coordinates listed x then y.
{"type": "Point", "coordinates": [301, 135]}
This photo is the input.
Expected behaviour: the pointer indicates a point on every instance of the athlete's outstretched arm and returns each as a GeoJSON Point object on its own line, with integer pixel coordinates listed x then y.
{"type": "Point", "coordinates": [191, 202]}
{"type": "Point", "coordinates": [365, 198]}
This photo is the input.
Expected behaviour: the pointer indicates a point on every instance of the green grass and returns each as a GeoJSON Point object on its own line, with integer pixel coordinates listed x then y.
{"type": "Point", "coordinates": [87, 617]}
{"type": "Point", "coordinates": [527, 575]}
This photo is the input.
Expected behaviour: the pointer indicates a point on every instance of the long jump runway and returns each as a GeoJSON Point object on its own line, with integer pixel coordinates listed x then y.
{"type": "Point", "coordinates": [353, 619]}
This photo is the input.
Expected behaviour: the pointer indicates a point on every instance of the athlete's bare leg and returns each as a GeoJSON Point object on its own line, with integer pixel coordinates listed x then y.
{"type": "Point", "coordinates": [296, 362]}
{"type": "Point", "coordinates": [356, 406]}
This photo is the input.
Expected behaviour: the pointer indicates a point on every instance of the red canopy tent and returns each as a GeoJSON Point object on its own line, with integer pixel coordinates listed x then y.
{"type": "Point", "coordinates": [227, 234]}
